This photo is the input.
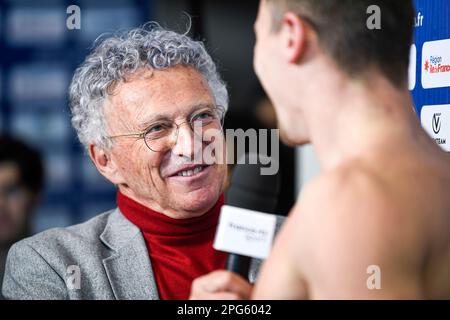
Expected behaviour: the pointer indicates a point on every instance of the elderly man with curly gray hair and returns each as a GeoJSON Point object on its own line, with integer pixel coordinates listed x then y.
{"type": "Point", "coordinates": [142, 104]}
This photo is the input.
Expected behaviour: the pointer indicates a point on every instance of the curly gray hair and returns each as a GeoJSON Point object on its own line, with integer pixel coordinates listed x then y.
{"type": "Point", "coordinates": [118, 57]}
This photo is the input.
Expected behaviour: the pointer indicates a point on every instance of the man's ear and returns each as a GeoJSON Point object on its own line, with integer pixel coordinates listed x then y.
{"type": "Point", "coordinates": [105, 165]}
{"type": "Point", "coordinates": [294, 36]}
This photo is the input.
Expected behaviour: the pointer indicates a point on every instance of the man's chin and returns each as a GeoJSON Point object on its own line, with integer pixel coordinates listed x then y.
{"type": "Point", "coordinates": [198, 201]}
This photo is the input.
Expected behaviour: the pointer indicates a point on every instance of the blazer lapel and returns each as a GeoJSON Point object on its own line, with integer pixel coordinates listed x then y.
{"type": "Point", "coordinates": [128, 268]}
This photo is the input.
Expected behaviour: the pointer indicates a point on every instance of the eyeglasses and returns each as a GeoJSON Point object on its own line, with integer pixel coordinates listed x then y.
{"type": "Point", "coordinates": [162, 135]}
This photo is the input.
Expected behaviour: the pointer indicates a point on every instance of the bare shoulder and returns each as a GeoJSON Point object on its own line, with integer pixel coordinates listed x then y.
{"type": "Point", "coordinates": [345, 223]}
{"type": "Point", "coordinates": [343, 228]}
{"type": "Point", "coordinates": [349, 178]}
{"type": "Point", "coordinates": [346, 192]}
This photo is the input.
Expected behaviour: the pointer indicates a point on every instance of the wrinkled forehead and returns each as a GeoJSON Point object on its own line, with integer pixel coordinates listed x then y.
{"type": "Point", "coordinates": [151, 93]}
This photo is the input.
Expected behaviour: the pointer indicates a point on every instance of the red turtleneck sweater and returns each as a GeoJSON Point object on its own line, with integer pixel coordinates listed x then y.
{"type": "Point", "coordinates": [180, 250]}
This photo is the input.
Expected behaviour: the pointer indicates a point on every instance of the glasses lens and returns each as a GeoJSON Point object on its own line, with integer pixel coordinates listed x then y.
{"type": "Point", "coordinates": [158, 135]}
{"type": "Point", "coordinates": [157, 145]}
{"type": "Point", "coordinates": [162, 137]}
{"type": "Point", "coordinates": [206, 118]}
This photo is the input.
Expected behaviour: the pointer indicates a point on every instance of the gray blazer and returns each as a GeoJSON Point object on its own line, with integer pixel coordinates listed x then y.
{"type": "Point", "coordinates": [110, 256]}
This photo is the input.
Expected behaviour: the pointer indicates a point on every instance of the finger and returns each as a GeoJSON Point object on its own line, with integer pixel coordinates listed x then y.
{"type": "Point", "coordinates": [221, 280]}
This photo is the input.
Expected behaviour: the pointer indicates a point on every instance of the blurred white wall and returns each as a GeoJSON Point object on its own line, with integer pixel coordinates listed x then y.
{"type": "Point", "coordinates": [307, 166]}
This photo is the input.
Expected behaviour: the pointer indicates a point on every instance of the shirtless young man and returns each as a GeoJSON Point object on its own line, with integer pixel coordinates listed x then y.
{"type": "Point", "coordinates": [381, 205]}
{"type": "Point", "coordinates": [375, 224]}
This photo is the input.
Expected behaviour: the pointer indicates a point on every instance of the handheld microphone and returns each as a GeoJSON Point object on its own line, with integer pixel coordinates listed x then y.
{"type": "Point", "coordinates": [245, 228]}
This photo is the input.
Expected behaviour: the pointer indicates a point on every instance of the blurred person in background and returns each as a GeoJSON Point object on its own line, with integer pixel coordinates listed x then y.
{"type": "Point", "coordinates": [21, 182]}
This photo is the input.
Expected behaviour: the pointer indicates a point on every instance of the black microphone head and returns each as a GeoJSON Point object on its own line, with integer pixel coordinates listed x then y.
{"type": "Point", "coordinates": [249, 189]}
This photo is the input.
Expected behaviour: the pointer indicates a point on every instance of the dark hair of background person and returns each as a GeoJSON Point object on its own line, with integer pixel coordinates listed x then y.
{"type": "Point", "coordinates": [27, 159]}
{"type": "Point", "coordinates": [341, 26]}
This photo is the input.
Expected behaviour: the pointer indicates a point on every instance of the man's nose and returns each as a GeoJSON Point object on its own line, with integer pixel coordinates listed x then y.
{"type": "Point", "coordinates": [187, 143]}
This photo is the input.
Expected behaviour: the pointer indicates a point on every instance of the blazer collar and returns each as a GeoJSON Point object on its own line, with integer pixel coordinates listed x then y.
{"type": "Point", "coordinates": [128, 268]}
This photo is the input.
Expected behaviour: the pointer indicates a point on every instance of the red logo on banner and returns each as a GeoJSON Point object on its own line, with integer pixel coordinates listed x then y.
{"type": "Point", "coordinates": [435, 66]}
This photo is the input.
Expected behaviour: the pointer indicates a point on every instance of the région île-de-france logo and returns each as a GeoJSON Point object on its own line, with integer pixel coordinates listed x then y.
{"type": "Point", "coordinates": [436, 125]}
{"type": "Point", "coordinates": [434, 65]}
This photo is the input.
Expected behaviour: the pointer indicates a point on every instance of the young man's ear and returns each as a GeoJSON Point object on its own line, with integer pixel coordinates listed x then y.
{"type": "Point", "coordinates": [294, 35]}
{"type": "Point", "coordinates": [105, 165]}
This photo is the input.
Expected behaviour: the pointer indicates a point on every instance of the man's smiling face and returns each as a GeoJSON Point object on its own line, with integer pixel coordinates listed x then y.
{"type": "Point", "coordinates": [156, 179]}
